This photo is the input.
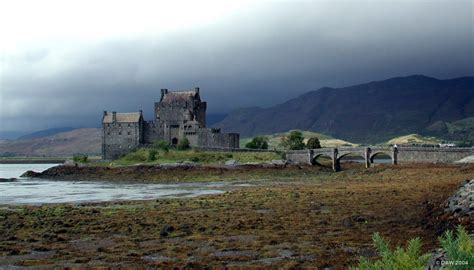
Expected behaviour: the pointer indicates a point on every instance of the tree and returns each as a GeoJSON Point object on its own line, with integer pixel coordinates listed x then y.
{"type": "Point", "coordinates": [152, 154]}
{"type": "Point", "coordinates": [313, 143]}
{"type": "Point", "coordinates": [183, 144]}
{"type": "Point", "coordinates": [259, 142]}
{"type": "Point", "coordinates": [294, 141]}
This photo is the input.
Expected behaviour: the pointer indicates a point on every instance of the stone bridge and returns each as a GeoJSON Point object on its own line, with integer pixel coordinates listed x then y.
{"type": "Point", "coordinates": [397, 154]}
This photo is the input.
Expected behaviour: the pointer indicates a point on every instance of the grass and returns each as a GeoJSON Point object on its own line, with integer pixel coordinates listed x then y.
{"type": "Point", "coordinates": [414, 139]}
{"type": "Point", "coordinates": [142, 156]}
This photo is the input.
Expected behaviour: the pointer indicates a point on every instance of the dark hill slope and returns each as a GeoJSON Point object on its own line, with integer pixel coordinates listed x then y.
{"type": "Point", "coordinates": [371, 112]}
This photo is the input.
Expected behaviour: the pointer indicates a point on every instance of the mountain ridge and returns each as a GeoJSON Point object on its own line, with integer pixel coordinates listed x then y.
{"type": "Point", "coordinates": [368, 112]}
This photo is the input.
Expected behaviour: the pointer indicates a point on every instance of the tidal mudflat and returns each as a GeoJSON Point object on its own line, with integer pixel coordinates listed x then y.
{"type": "Point", "coordinates": [322, 220]}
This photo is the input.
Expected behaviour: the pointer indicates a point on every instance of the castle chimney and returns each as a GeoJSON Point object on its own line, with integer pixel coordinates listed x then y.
{"type": "Point", "coordinates": [196, 89]}
{"type": "Point", "coordinates": [105, 113]}
{"type": "Point", "coordinates": [114, 116]}
{"type": "Point", "coordinates": [164, 92]}
{"type": "Point", "coordinates": [141, 112]}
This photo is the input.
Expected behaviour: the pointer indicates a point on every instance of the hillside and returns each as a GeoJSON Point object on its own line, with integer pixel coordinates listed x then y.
{"type": "Point", "coordinates": [369, 113]}
{"type": "Point", "coordinates": [458, 130]}
{"type": "Point", "coordinates": [274, 140]}
{"type": "Point", "coordinates": [78, 141]}
{"type": "Point", "coordinates": [414, 139]}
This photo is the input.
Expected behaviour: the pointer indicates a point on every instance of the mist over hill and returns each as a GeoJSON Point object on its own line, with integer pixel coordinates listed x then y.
{"type": "Point", "coordinates": [367, 113]}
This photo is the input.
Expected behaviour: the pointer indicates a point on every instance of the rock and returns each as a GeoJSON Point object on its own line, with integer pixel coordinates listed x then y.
{"type": "Point", "coordinates": [347, 222]}
{"type": "Point", "coordinates": [436, 259]}
{"type": "Point", "coordinates": [5, 180]}
{"type": "Point", "coordinates": [167, 229]}
{"type": "Point", "coordinates": [70, 163]}
{"type": "Point", "coordinates": [279, 162]}
{"type": "Point", "coordinates": [460, 204]}
{"type": "Point", "coordinates": [30, 174]}
{"type": "Point", "coordinates": [231, 162]}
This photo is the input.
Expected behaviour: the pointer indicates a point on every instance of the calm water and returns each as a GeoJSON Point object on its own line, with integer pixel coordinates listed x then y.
{"type": "Point", "coordinates": [41, 191]}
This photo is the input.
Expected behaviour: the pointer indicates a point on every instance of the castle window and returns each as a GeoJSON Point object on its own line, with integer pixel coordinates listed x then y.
{"type": "Point", "coordinates": [120, 125]}
{"type": "Point", "coordinates": [120, 132]}
{"type": "Point", "coordinates": [108, 133]}
{"type": "Point", "coordinates": [128, 126]}
{"type": "Point", "coordinates": [128, 133]}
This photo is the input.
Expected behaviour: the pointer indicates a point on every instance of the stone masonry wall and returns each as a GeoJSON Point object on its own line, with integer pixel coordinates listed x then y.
{"type": "Point", "coordinates": [433, 155]}
{"type": "Point", "coordinates": [207, 138]}
{"type": "Point", "coordinates": [152, 131]}
{"type": "Point", "coordinates": [120, 138]}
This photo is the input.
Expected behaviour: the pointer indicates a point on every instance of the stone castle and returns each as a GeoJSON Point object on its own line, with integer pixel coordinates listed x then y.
{"type": "Point", "coordinates": [177, 115]}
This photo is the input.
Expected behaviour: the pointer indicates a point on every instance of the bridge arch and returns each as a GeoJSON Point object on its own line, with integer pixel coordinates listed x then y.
{"type": "Point", "coordinates": [355, 154]}
{"type": "Point", "coordinates": [374, 154]}
{"type": "Point", "coordinates": [321, 155]}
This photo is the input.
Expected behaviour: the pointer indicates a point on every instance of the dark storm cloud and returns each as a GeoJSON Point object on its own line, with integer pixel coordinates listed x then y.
{"type": "Point", "coordinates": [257, 57]}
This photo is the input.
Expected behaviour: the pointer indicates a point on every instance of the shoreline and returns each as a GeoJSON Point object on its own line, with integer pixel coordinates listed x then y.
{"type": "Point", "coordinates": [173, 173]}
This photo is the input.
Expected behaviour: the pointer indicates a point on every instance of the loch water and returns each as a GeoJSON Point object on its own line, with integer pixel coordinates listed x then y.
{"type": "Point", "coordinates": [36, 191]}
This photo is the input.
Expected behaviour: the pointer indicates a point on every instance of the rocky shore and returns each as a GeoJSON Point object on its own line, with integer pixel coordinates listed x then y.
{"type": "Point", "coordinates": [176, 172]}
{"type": "Point", "coordinates": [461, 204]}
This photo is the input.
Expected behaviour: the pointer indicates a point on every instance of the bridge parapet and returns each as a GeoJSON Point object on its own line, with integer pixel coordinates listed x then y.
{"type": "Point", "coordinates": [403, 154]}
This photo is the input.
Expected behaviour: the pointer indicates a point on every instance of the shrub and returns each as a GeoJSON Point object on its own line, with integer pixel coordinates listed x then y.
{"type": "Point", "coordinates": [460, 249]}
{"type": "Point", "coordinates": [409, 258]}
{"type": "Point", "coordinates": [161, 145]}
{"type": "Point", "coordinates": [313, 143]}
{"type": "Point", "coordinates": [294, 141]}
{"type": "Point", "coordinates": [259, 142]}
{"type": "Point", "coordinates": [152, 154]}
{"type": "Point", "coordinates": [183, 144]}
{"type": "Point", "coordinates": [80, 158]}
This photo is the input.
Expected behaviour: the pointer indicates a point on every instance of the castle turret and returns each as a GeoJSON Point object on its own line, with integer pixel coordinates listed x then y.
{"type": "Point", "coordinates": [196, 89]}
{"type": "Point", "coordinates": [114, 117]}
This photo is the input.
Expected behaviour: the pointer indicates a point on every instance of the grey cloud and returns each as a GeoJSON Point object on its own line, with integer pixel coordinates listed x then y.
{"type": "Point", "coordinates": [258, 57]}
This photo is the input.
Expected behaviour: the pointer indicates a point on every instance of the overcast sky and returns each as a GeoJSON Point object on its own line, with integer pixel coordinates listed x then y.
{"type": "Point", "coordinates": [63, 62]}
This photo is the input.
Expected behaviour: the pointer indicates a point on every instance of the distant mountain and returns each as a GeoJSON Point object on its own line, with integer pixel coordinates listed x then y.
{"type": "Point", "coordinates": [78, 141]}
{"type": "Point", "coordinates": [44, 133]}
{"type": "Point", "coordinates": [212, 118]}
{"type": "Point", "coordinates": [365, 113]}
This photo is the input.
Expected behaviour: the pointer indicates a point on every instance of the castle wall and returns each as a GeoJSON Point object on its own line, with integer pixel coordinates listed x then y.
{"type": "Point", "coordinates": [120, 138]}
{"type": "Point", "coordinates": [175, 114]}
{"type": "Point", "coordinates": [208, 138]}
{"type": "Point", "coordinates": [152, 132]}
